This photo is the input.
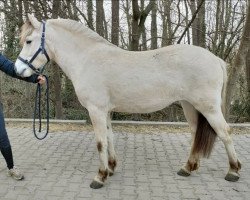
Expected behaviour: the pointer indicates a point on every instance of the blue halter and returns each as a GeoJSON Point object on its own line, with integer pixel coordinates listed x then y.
{"type": "Point", "coordinates": [40, 50]}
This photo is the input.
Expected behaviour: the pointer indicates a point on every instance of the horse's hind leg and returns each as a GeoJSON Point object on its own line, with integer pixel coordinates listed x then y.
{"type": "Point", "coordinates": [112, 162]}
{"type": "Point", "coordinates": [191, 115]}
{"type": "Point", "coordinates": [99, 121]}
{"type": "Point", "coordinates": [217, 121]}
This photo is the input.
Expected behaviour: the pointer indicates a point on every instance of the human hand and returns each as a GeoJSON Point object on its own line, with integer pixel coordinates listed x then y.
{"type": "Point", "coordinates": [41, 79]}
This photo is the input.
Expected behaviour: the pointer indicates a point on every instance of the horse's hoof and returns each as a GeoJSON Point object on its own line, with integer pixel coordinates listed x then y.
{"type": "Point", "coordinates": [183, 172]}
{"type": "Point", "coordinates": [232, 177]}
{"type": "Point", "coordinates": [96, 185]}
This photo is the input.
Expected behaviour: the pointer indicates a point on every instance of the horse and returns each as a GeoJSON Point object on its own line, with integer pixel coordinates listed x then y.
{"type": "Point", "coordinates": [107, 78]}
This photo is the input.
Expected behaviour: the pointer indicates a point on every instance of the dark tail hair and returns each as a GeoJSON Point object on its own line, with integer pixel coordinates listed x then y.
{"type": "Point", "coordinates": [204, 138]}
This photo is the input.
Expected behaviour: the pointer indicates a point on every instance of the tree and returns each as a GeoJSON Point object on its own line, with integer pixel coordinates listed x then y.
{"type": "Point", "coordinates": [198, 26]}
{"type": "Point", "coordinates": [248, 74]}
{"type": "Point", "coordinates": [154, 27]}
{"type": "Point", "coordinates": [222, 35]}
{"type": "Point", "coordinates": [99, 18]}
{"type": "Point", "coordinates": [239, 61]}
{"type": "Point", "coordinates": [138, 20]}
{"type": "Point", "coordinates": [115, 22]}
{"type": "Point", "coordinates": [90, 14]}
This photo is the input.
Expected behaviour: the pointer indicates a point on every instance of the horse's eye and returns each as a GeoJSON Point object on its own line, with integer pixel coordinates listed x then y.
{"type": "Point", "coordinates": [28, 41]}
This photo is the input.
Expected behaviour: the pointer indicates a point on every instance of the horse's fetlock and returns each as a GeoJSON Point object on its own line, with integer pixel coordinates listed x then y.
{"type": "Point", "coordinates": [192, 166]}
{"type": "Point", "coordinates": [235, 166]}
{"type": "Point", "coordinates": [103, 174]}
{"type": "Point", "coordinates": [112, 164]}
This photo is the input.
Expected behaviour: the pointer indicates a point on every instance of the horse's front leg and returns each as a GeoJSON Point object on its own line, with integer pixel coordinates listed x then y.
{"type": "Point", "coordinates": [99, 121]}
{"type": "Point", "coordinates": [112, 162]}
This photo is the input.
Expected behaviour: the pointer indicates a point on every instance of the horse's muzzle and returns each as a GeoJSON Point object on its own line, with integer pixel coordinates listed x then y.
{"type": "Point", "coordinates": [18, 72]}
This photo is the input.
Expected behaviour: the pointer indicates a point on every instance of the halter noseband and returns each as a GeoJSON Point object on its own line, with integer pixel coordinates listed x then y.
{"type": "Point", "coordinates": [41, 49]}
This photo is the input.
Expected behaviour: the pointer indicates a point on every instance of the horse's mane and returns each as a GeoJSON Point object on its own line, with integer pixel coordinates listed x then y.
{"type": "Point", "coordinates": [79, 28]}
{"type": "Point", "coordinates": [26, 30]}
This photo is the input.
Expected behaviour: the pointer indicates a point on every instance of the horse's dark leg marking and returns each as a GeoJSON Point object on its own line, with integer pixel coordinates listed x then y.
{"type": "Point", "coordinates": [235, 166]}
{"type": "Point", "coordinates": [112, 166]}
{"type": "Point", "coordinates": [103, 175]}
{"type": "Point", "coordinates": [191, 166]}
{"type": "Point", "coordinates": [99, 146]}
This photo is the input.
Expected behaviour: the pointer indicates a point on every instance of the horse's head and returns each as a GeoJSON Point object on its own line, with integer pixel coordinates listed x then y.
{"type": "Point", "coordinates": [35, 53]}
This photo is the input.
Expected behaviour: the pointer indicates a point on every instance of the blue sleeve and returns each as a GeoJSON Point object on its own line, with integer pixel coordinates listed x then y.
{"type": "Point", "coordinates": [7, 67]}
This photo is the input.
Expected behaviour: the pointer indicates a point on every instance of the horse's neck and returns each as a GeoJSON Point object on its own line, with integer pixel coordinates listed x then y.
{"type": "Point", "coordinates": [71, 49]}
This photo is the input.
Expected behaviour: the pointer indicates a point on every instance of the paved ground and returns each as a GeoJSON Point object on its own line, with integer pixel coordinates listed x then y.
{"type": "Point", "coordinates": [63, 165]}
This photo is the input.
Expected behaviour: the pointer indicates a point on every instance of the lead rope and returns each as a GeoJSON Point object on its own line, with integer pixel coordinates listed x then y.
{"type": "Point", "coordinates": [37, 111]}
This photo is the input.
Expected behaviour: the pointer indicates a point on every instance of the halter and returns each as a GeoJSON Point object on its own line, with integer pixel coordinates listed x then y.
{"type": "Point", "coordinates": [40, 50]}
{"type": "Point", "coordinates": [38, 90]}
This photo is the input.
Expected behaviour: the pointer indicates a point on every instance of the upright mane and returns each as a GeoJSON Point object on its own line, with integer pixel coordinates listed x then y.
{"type": "Point", "coordinates": [79, 28]}
{"type": "Point", "coordinates": [26, 30]}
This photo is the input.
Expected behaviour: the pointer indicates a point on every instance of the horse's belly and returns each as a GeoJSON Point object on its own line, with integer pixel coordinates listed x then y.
{"type": "Point", "coordinates": [142, 106]}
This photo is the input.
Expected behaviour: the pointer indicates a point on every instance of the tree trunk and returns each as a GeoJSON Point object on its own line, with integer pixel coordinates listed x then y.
{"type": "Point", "coordinates": [143, 47]}
{"type": "Point", "coordinates": [138, 21]}
{"type": "Point", "coordinates": [239, 61]}
{"type": "Point", "coordinates": [248, 74]}
{"type": "Point", "coordinates": [135, 28]}
{"type": "Point", "coordinates": [167, 32]}
{"type": "Point", "coordinates": [216, 33]}
{"type": "Point", "coordinates": [56, 77]}
{"type": "Point", "coordinates": [195, 36]}
{"type": "Point", "coordinates": [20, 13]}
{"type": "Point", "coordinates": [201, 24]}
{"type": "Point", "coordinates": [154, 28]}
{"type": "Point", "coordinates": [186, 20]}
{"type": "Point", "coordinates": [90, 14]}
{"type": "Point", "coordinates": [115, 22]}
{"type": "Point", "coordinates": [128, 19]}
{"type": "Point", "coordinates": [99, 17]}
{"type": "Point", "coordinates": [198, 25]}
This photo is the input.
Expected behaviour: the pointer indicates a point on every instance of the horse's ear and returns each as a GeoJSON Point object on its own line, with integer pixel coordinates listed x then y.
{"type": "Point", "coordinates": [33, 20]}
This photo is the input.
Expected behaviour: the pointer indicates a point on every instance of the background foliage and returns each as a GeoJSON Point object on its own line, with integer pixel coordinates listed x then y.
{"type": "Point", "coordinates": [135, 25]}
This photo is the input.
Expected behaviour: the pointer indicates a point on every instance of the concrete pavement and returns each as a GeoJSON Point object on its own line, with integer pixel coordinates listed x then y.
{"type": "Point", "coordinates": [62, 167]}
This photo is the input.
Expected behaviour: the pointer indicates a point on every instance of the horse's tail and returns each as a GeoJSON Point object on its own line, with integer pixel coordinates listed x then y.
{"type": "Point", "coordinates": [204, 137]}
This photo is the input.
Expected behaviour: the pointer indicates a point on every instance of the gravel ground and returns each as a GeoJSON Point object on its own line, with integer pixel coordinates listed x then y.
{"type": "Point", "coordinates": [128, 128]}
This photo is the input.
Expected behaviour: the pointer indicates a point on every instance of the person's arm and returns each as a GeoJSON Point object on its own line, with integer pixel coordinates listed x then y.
{"type": "Point", "coordinates": [7, 67]}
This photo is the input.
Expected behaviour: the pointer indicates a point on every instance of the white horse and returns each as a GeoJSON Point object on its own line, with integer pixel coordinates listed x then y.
{"type": "Point", "coordinates": [107, 78]}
